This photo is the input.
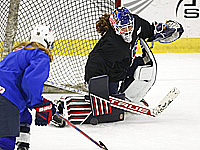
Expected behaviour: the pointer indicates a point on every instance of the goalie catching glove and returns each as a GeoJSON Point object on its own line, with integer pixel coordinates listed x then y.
{"type": "Point", "coordinates": [44, 112]}
{"type": "Point", "coordinates": [167, 33]}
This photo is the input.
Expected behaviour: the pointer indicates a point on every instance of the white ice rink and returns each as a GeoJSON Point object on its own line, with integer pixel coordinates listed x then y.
{"type": "Point", "coordinates": [177, 128]}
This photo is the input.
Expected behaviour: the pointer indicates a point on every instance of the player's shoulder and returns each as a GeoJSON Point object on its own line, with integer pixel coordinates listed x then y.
{"type": "Point", "coordinates": [39, 53]}
{"type": "Point", "coordinates": [31, 54]}
{"type": "Point", "coordinates": [136, 17]}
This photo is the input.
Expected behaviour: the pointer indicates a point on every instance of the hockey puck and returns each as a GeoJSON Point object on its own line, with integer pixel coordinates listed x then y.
{"type": "Point", "coordinates": [94, 121]}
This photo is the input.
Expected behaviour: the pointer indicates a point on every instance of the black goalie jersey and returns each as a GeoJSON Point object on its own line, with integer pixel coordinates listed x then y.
{"type": "Point", "coordinates": [112, 56]}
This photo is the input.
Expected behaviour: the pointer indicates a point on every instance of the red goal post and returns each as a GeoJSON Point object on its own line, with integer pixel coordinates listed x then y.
{"type": "Point", "coordinates": [117, 3]}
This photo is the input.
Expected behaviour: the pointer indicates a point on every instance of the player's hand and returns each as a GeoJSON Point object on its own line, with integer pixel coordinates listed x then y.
{"type": "Point", "coordinates": [44, 112]}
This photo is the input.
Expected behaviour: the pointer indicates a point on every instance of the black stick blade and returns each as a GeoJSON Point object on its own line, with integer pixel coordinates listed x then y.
{"type": "Point", "coordinates": [104, 147]}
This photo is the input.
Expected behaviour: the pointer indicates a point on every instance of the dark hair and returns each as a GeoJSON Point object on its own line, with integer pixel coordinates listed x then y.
{"type": "Point", "coordinates": [103, 24]}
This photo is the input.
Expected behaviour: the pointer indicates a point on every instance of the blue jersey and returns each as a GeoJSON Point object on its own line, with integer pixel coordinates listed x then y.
{"type": "Point", "coordinates": [22, 76]}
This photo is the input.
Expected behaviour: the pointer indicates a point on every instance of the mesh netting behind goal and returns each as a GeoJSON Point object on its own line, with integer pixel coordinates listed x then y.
{"type": "Point", "coordinates": [74, 25]}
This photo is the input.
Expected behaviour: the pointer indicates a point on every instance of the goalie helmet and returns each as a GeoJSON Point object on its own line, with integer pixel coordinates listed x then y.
{"type": "Point", "coordinates": [122, 22]}
{"type": "Point", "coordinates": [43, 35]}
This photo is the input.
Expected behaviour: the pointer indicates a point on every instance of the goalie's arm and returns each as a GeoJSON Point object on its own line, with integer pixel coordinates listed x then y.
{"type": "Point", "coordinates": [143, 28]}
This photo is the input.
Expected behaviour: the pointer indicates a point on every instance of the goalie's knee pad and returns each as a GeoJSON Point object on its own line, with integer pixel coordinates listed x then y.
{"type": "Point", "coordinates": [144, 78]}
{"type": "Point", "coordinates": [144, 73]}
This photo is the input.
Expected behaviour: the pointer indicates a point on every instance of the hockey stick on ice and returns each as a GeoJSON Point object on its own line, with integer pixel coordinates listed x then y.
{"type": "Point", "coordinates": [143, 110]}
{"type": "Point", "coordinates": [166, 101]}
{"type": "Point", "coordinates": [100, 144]}
{"type": "Point", "coordinates": [65, 87]}
{"type": "Point", "coordinates": [129, 106]}
{"type": "Point", "coordinates": [153, 112]}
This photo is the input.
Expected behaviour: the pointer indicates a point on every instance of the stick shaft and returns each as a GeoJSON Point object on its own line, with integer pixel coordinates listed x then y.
{"type": "Point", "coordinates": [72, 125]}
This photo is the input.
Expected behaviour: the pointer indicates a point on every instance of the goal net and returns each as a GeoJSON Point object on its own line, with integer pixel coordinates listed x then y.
{"type": "Point", "coordinates": [74, 25]}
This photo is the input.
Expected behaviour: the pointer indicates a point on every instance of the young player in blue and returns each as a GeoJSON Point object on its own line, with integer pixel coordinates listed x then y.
{"type": "Point", "coordinates": [22, 75]}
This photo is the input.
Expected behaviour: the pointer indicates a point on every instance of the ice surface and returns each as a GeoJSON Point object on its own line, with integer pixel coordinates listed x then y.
{"type": "Point", "coordinates": [177, 128]}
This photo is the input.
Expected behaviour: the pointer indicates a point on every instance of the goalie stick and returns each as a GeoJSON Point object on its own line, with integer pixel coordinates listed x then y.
{"type": "Point", "coordinates": [65, 87]}
{"type": "Point", "coordinates": [100, 144]}
{"type": "Point", "coordinates": [143, 110]}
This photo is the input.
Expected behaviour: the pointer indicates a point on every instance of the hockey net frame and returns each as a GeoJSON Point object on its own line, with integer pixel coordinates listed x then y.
{"type": "Point", "coordinates": [74, 25]}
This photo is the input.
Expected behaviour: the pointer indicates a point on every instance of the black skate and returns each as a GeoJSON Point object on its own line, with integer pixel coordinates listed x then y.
{"type": "Point", "coordinates": [22, 146]}
{"type": "Point", "coordinates": [58, 121]}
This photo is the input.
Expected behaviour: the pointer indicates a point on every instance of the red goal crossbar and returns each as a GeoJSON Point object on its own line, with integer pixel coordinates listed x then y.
{"type": "Point", "coordinates": [117, 3]}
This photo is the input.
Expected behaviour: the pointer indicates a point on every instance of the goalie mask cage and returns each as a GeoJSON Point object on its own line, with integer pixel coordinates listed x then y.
{"type": "Point", "coordinates": [73, 23]}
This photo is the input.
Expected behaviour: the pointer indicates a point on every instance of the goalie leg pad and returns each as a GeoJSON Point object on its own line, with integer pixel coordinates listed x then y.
{"type": "Point", "coordinates": [76, 108]}
{"type": "Point", "coordinates": [96, 106]}
{"type": "Point", "coordinates": [143, 77]}
{"type": "Point", "coordinates": [99, 94]}
{"type": "Point", "coordinates": [115, 115]}
{"type": "Point", "coordinates": [143, 73]}
{"type": "Point", "coordinates": [100, 106]}
{"type": "Point", "coordinates": [99, 86]}
{"type": "Point", "coordinates": [130, 74]}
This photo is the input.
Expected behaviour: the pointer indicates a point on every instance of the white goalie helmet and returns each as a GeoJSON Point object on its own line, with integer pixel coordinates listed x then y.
{"type": "Point", "coordinates": [122, 22]}
{"type": "Point", "coordinates": [43, 35]}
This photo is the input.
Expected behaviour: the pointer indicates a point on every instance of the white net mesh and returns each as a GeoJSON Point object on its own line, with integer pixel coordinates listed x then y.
{"type": "Point", "coordinates": [74, 25]}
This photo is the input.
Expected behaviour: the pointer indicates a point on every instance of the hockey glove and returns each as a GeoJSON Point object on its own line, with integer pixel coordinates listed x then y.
{"type": "Point", "coordinates": [44, 112]}
{"type": "Point", "coordinates": [167, 33]}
